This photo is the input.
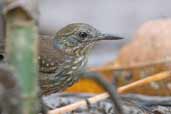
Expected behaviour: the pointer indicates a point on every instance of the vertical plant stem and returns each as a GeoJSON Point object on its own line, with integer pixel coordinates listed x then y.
{"type": "Point", "coordinates": [21, 44]}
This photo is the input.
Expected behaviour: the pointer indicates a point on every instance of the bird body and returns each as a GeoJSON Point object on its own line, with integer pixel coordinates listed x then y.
{"type": "Point", "coordinates": [58, 70]}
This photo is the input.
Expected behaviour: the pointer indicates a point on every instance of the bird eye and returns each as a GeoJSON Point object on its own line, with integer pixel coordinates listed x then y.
{"type": "Point", "coordinates": [83, 34]}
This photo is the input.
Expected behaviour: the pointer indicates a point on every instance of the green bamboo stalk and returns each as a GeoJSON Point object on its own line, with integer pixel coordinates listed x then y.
{"type": "Point", "coordinates": [21, 48]}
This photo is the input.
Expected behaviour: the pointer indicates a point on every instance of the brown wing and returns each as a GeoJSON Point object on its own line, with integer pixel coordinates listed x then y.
{"type": "Point", "coordinates": [50, 58]}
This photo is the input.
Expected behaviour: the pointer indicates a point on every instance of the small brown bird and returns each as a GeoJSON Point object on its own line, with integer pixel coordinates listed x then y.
{"type": "Point", "coordinates": [62, 57]}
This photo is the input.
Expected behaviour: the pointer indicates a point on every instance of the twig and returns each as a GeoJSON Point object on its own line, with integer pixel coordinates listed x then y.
{"type": "Point", "coordinates": [149, 79]}
{"type": "Point", "coordinates": [120, 67]}
{"type": "Point", "coordinates": [111, 89]}
{"type": "Point", "coordinates": [71, 107]}
{"type": "Point", "coordinates": [78, 104]}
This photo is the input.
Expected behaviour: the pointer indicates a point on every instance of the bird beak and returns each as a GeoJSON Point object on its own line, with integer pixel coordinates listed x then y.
{"type": "Point", "coordinates": [108, 37]}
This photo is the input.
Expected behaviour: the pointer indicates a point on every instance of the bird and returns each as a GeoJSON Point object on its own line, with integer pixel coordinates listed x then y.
{"type": "Point", "coordinates": [62, 57]}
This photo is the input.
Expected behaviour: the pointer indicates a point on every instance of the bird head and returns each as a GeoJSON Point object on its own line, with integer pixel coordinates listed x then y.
{"type": "Point", "coordinates": [78, 38]}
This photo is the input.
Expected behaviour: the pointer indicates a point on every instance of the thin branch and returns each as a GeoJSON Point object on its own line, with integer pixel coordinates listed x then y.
{"type": "Point", "coordinates": [120, 67]}
{"type": "Point", "coordinates": [111, 89]}
{"type": "Point", "coordinates": [71, 107]}
{"type": "Point", "coordinates": [149, 79]}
